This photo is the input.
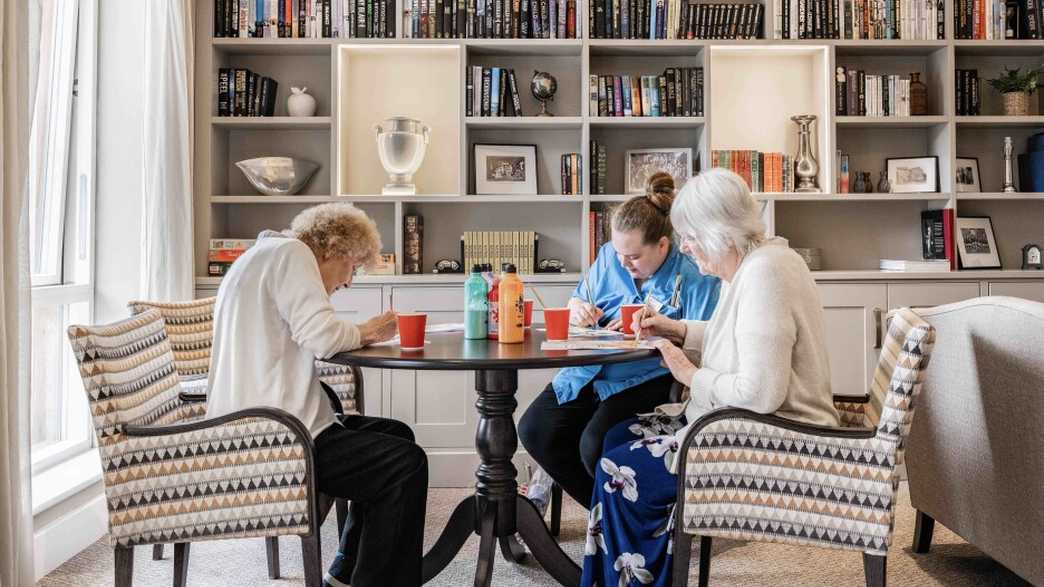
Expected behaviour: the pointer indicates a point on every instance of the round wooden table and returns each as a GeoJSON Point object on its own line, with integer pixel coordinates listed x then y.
{"type": "Point", "coordinates": [496, 511]}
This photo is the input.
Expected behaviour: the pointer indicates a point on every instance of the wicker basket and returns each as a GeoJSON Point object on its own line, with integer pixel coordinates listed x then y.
{"type": "Point", "coordinates": [1016, 103]}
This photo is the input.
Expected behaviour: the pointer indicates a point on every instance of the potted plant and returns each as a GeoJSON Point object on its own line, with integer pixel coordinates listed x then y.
{"type": "Point", "coordinates": [1016, 88]}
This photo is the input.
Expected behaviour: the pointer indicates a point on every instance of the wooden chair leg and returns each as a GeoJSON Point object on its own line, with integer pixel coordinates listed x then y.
{"type": "Point", "coordinates": [875, 569]}
{"type": "Point", "coordinates": [313, 560]}
{"type": "Point", "coordinates": [342, 515]}
{"type": "Point", "coordinates": [682, 555]}
{"type": "Point", "coordinates": [181, 559]}
{"type": "Point", "coordinates": [556, 509]}
{"type": "Point", "coordinates": [705, 558]}
{"type": "Point", "coordinates": [157, 552]}
{"type": "Point", "coordinates": [272, 553]}
{"type": "Point", "coordinates": [924, 526]}
{"type": "Point", "coordinates": [124, 566]}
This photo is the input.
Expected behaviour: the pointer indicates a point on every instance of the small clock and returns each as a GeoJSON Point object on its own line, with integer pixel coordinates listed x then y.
{"type": "Point", "coordinates": [1031, 257]}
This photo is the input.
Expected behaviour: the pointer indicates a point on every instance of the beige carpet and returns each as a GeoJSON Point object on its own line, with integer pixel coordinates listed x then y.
{"type": "Point", "coordinates": [952, 562]}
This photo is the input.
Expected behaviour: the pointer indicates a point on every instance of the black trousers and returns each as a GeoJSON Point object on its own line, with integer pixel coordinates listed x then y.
{"type": "Point", "coordinates": [566, 440]}
{"type": "Point", "coordinates": [376, 464]}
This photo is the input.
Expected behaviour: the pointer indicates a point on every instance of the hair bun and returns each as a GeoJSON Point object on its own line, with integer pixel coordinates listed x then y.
{"type": "Point", "coordinates": [659, 191]}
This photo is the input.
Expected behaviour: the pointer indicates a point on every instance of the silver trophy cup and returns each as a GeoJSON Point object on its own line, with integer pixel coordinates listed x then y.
{"type": "Point", "coordinates": [401, 143]}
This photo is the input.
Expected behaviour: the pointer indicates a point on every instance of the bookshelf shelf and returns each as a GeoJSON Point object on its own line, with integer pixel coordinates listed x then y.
{"type": "Point", "coordinates": [647, 121]}
{"type": "Point", "coordinates": [999, 121]}
{"type": "Point", "coordinates": [272, 122]}
{"type": "Point", "coordinates": [516, 47]}
{"type": "Point", "coordinates": [886, 48]}
{"type": "Point", "coordinates": [1000, 48]}
{"type": "Point", "coordinates": [1001, 196]}
{"type": "Point", "coordinates": [610, 197]}
{"type": "Point", "coordinates": [890, 121]}
{"type": "Point", "coordinates": [260, 199]}
{"type": "Point", "coordinates": [874, 197]}
{"type": "Point", "coordinates": [525, 122]}
{"type": "Point", "coordinates": [273, 46]}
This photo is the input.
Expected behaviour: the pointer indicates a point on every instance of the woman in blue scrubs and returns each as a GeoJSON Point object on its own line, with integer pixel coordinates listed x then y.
{"type": "Point", "coordinates": [564, 427]}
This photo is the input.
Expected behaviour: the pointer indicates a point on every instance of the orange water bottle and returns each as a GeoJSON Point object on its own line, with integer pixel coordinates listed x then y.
{"type": "Point", "coordinates": [512, 306]}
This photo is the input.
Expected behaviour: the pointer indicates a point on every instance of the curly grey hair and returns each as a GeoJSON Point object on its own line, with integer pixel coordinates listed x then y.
{"type": "Point", "coordinates": [338, 230]}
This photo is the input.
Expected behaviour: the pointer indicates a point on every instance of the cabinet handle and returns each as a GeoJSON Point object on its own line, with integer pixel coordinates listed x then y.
{"type": "Point", "coordinates": [878, 315]}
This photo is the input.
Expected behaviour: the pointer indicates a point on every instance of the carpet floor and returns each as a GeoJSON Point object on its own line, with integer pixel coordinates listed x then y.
{"type": "Point", "coordinates": [951, 562]}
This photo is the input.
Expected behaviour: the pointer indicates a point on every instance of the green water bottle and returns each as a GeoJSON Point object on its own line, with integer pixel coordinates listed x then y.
{"type": "Point", "coordinates": [476, 307]}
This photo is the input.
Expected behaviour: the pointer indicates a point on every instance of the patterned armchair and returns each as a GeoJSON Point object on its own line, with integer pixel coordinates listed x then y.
{"type": "Point", "coordinates": [190, 330]}
{"type": "Point", "coordinates": [758, 477]}
{"type": "Point", "coordinates": [245, 474]}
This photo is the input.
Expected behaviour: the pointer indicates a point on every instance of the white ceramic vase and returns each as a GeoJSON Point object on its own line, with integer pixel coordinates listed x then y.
{"type": "Point", "coordinates": [300, 103]}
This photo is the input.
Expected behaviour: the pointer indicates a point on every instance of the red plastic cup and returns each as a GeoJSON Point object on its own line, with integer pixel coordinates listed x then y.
{"type": "Point", "coordinates": [557, 322]}
{"type": "Point", "coordinates": [627, 315]}
{"type": "Point", "coordinates": [528, 315]}
{"type": "Point", "coordinates": [411, 331]}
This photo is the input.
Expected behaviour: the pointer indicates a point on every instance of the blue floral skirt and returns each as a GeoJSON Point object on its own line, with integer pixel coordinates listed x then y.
{"type": "Point", "coordinates": [629, 527]}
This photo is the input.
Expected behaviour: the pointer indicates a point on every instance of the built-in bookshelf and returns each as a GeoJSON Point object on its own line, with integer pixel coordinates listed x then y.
{"type": "Point", "coordinates": [751, 89]}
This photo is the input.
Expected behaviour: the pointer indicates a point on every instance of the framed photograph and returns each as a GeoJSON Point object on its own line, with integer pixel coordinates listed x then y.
{"type": "Point", "coordinates": [639, 164]}
{"type": "Point", "coordinates": [505, 169]}
{"type": "Point", "coordinates": [976, 244]}
{"type": "Point", "coordinates": [966, 175]}
{"type": "Point", "coordinates": [913, 175]}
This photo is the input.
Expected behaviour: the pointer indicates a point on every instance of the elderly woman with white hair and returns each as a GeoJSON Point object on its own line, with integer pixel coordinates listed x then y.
{"type": "Point", "coordinates": [272, 320]}
{"type": "Point", "coordinates": [763, 350]}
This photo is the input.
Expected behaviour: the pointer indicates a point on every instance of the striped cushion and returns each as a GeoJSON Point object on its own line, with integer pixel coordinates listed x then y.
{"type": "Point", "coordinates": [750, 480]}
{"type": "Point", "coordinates": [190, 329]}
{"type": "Point", "coordinates": [246, 477]}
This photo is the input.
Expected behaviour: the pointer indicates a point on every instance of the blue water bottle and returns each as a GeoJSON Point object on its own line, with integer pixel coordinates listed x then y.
{"type": "Point", "coordinates": [476, 308]}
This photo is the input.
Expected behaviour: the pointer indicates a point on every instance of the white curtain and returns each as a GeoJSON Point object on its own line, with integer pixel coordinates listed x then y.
{"type": "Point", "coordinates": [16, 521]}
{"type": "Point", "coordinates": [167, 257]}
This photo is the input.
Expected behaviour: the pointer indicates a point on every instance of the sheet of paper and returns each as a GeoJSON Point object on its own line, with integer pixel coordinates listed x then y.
{"type": "Point", "coordinates": [601, 332]}
{"type": "Point", "coordinates": [579, 344]}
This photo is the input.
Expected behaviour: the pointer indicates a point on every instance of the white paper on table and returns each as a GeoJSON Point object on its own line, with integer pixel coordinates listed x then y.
{"type": "Point", "coordinates": [581, 344]}
{"type": "Point", "coordinates": [601, 332]}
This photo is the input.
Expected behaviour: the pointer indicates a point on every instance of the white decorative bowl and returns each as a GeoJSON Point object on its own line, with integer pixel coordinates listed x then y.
{"type": "Point", "coordinates": [277, 176]}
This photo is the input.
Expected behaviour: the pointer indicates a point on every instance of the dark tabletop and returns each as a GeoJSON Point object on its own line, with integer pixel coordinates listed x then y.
{"type": "Point", "coordinates": [451, 351]}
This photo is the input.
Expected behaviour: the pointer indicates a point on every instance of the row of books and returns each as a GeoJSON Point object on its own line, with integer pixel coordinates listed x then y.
{"type": "Point", "coordinates": [859, 19]}
{"type": "Point", "coordinates": [967, 92]}
{"type": "Point", "coordinates": [673, 19]}
{"type": "Point", "coordinates": [676, 92]}
{"type": "Point", "coordinates": [306, 19]}
{"type": "Point", "coordinates": [600, 168]}
{"type": "Point", "coordinates": [222, 252]}
{"type": "Point", "coordinates": [491, 91]}
{"type": "Point", "coordinates": [496, 247]}
{"type": "Point", "coordinates": [997, 19]}
{"type": "Point", "coordinates": [937, 234]}
{"type": "Point", "coordinates": [763, 172]}
{"type": "Point", "coordinates": [599, 230]}
{"type": "Point", "coordinates": [572, 172]}
{"type": "Point", "coordinates": [491, 19]}
{"type": "Point", "coordinates": [861, 94]}
{"type": "Point", "coordinates": [242, 92]}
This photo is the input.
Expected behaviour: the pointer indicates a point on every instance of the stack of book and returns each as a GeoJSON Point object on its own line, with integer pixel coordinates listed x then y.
{"type": "Point", "coordinates": [673, 19]}
{"type": "Point", "coordinates": [921, 20]}
{"type": "Point", "coordinates": [913, 266]}
{"type": "Point", "coordinates": [518, 247]}
{"type": "Point", "coordinates": [858, 93]}
{"type": "Point", "coordinates": [763, 172]}
{"type": "Point", "coordinates": [997, 19]}
{"type": "Point", "coordinates": [599, 229]}
{"type": "Point", "coordinates": [600, 168]}
{"type": "Point", "coordinates": [937, 236]}
{"type": "Point", "coordinates": [491, 19]}
{"type": "Point", "coordinates": [572, 171]}
{"type": "Point", "coordinates": [222, 252]}
{"type": "Point", "coordinates": [678, 91]}
{"type": "Point", "coordinates": [242, 92]}
{"type": "Point", "coordinates": [305, 19]}
{"type": "Point", "coordinates": [491, 91]}
{"type": "Point", "coordinates": [967, 92]}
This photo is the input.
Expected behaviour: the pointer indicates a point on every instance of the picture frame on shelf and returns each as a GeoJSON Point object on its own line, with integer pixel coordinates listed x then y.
{"type": "Point", "coordinates": [966, 175]}
{"type": "Point", "coordinates": [1031, 256]}
{"type": "Point", "coordinates": [639, 164]}
{"type": "Point", "coordinates": [505, 169]}
{"type": "Point", "coordinates": [913, 175]}
{"type": "Point", "coordinates": [976, 243]}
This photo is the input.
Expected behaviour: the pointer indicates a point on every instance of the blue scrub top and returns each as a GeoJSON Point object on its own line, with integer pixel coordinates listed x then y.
{"type": "Point", "coordinates": [612, 287]}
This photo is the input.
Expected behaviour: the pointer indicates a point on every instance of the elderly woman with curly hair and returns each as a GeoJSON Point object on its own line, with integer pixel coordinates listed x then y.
{"type": "Point", "coordinates": [763, 350]}
{"type": "Point", "coordinates": [272, 320]}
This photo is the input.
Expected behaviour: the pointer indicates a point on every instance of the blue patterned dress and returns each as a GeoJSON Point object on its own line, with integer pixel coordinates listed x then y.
{"type": "Point", "coordinates": [632, 516]}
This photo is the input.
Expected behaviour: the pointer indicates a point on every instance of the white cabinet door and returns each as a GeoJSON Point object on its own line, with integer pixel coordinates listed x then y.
{"type": "Point", "coordinates": [927, 295]}
{"type": "Point", "coordinates": [359, 304]}
{"type": "Point", "coordinates": [851, 313]}
{"type": "Point", "coordinates": [1027, 290]}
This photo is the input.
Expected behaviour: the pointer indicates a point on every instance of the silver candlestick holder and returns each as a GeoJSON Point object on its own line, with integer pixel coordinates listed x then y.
{"type": "Point", "coordinates": [1009, 167]}
{"type": "Point", "coordinates": [806, 168]}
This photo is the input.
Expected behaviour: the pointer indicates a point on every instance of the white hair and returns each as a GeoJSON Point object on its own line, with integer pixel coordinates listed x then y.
{"type": "Point", "coordinates": [717, 212]}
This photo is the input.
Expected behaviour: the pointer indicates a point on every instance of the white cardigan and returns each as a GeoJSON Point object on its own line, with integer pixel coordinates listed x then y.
{"type": "Point", "coordinates": [764, 348]}
{"type": "Point", "coordinates": [273, 318]}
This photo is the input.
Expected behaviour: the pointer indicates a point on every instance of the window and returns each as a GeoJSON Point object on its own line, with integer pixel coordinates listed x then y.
{"type": "Point", "coordinates": [61, 185]}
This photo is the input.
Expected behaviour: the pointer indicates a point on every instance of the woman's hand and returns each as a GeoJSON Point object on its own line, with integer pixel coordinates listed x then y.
{"type": "Point", "coordinates": [615, 324]}
{"type": "Point", "coordinates": [674, 359]}
{"type": "Point", "coordinates": [583, 314]}
{"type": "Point", "coordinates": [379, 328]}
{"type": "Point", "coordinates": [652, 323]}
